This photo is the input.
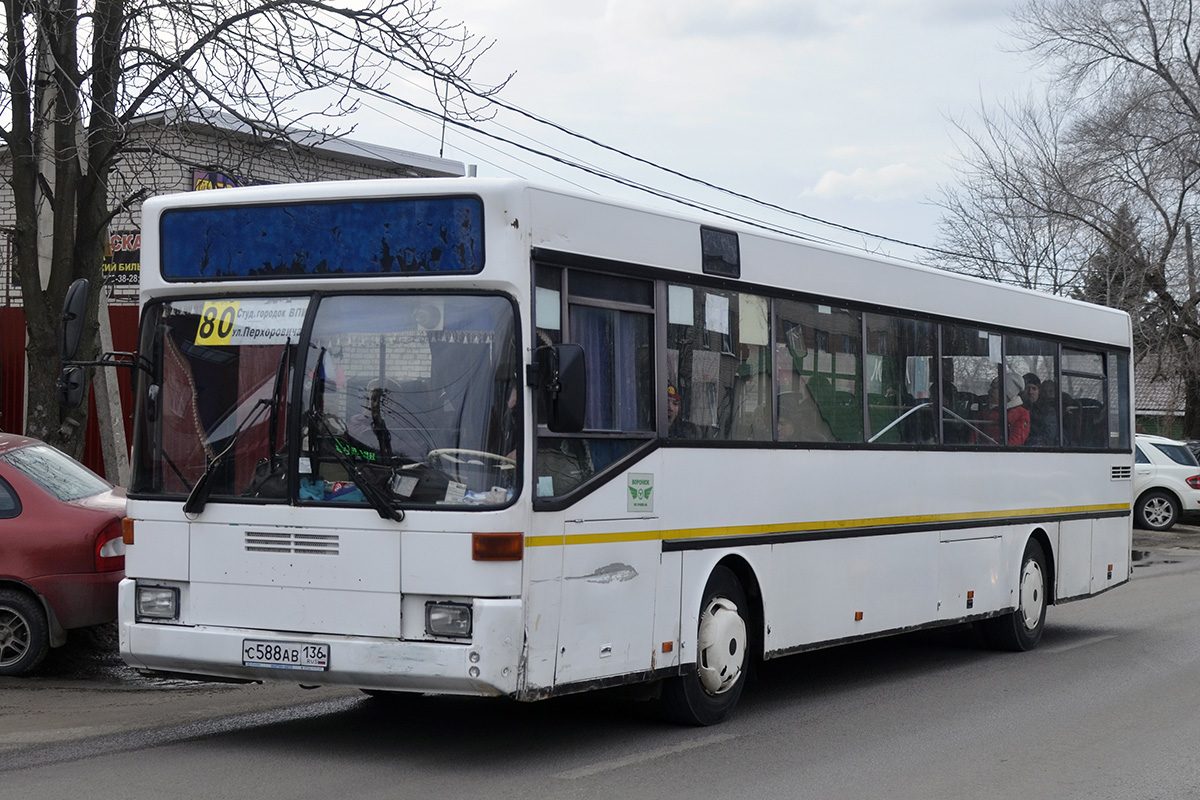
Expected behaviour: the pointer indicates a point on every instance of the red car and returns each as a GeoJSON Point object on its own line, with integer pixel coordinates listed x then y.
{"type": "Point", "coordinates": [61, 550]}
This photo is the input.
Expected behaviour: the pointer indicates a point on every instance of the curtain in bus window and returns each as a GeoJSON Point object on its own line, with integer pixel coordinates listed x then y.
{"type": "Point", "coordinates": [1084, 395]}
{"type": "Point", "coordinates": [1035, 361]}
{"type": "Point", "coordinates": [819, 386]}
{"type": "Point", "coordinates": [900, 381]}
{"type": "Point", "coordinates": [213, 395]}
{"type": "Point", "coordinates": [617, 344]}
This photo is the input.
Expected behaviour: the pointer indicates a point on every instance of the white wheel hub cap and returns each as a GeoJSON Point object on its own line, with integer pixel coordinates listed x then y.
{"type": "Point", "coordinates": [722, 646]}
{"type": "Point", "coordinates": [1033, 594]}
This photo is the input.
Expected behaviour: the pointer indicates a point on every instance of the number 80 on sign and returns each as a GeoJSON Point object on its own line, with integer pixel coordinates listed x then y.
{"type": "Point", "coordinates": [216, 323]}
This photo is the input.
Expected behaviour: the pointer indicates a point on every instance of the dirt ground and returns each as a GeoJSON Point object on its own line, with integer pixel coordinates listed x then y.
{"type": "Point", "coordinates": [84, 690]}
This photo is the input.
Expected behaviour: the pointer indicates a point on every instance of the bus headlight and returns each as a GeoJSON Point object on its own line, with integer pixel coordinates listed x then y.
{"type": "Point", "coordinates": [157, 602]}
{"type": "Point", "coordinates": [448, 619]}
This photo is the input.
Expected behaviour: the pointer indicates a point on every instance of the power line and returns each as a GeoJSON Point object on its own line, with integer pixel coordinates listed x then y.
{"type": "Point", "coordinates": [574, 162]}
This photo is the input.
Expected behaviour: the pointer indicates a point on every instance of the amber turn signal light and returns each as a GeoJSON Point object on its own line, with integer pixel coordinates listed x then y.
{"type": "Point", "coordinates": [497, 546]}
{"type": "Point", "coordinates": [127, 530]}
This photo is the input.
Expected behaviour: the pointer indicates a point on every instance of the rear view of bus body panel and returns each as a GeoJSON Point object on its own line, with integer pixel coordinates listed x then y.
{"type": "Point", "coordinates": [359, 590]}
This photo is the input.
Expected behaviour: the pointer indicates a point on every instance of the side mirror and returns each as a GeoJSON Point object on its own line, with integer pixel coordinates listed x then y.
{"type": "Point", "coordinates": [71, 326]}
{"type": "Point", "coordinates": [71, 385]}
{"type": "Point", "coordinates": [562, 377]}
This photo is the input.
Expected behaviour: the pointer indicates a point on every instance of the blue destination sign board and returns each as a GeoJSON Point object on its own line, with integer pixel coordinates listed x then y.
{"type": "Point", "coordinates": [392, 236]}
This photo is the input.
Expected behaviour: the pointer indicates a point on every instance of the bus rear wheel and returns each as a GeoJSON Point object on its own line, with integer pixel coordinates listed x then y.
{"type": "Point", "coordinates": [1022, 629]}
{"type": "Point", "coordinates": [706, 695]}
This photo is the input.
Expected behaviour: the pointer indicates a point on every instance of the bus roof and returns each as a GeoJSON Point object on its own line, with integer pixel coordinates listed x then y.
{"type": "Point", "coordinates": [560, 221]}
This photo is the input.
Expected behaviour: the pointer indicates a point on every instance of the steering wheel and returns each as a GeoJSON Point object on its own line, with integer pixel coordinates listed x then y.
{"type": "Point", "coordinates": [450, 454]}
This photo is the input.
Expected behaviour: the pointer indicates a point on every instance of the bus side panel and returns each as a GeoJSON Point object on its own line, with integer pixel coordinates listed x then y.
{"type": "Point", "coordinates": [1074, 559]}
{"type": "Point", "coordinates": [667, 611]}
{"type": "Point", "coordinates": [842, 588]}
{"type": "Point", "coordinates": [1112, 542]}
{"type": "Point", "coordinates": [969, 579]}
{"type": "Point", "coordinates": [543, 601]}
{"type": "Point", "coordinates": [608, 592]}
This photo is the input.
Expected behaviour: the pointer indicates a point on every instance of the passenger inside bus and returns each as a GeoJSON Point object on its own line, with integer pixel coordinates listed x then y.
{"type": "Point", "coordinates": [677, 427]}
{"type": "Point", "coordinates": [800, 417]}
{"type": "Point", "coordinates": [1043, 412]}
{"type": "Point", "coordinates": [1016, 415]}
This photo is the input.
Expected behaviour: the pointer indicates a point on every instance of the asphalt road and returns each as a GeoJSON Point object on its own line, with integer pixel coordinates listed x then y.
{"type": "Point", "coordinates": [1109, 706]}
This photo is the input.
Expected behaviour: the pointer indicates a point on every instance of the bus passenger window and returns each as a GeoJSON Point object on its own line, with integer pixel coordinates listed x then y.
{"type": "Point", "coordinates": [819, 383]}
{"type": "Point", "coordinates": [971, 390]}
{"type": "Point", "coordinates": [900, 380]}
{"type": "Point", "coordinates": [1036, 361]}
{"type": "Point", "coordinates": [1084, 400]}
{"type": "Point", "coordinates": [612, 319]}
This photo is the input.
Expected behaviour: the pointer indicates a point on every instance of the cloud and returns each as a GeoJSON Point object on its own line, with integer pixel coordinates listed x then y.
{"type": "Point", "coordinates": [953, 12]}
{"type": "Point", "coordinates": [890, 182]}
{"type": "Point", "coordinates": [732, 19]}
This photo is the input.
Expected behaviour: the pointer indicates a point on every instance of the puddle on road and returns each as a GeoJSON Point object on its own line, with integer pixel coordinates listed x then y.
{"type": "Point", "coordinates": [1147, 557]}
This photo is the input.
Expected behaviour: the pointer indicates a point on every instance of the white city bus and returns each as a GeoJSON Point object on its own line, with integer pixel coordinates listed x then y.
{"type": "Point", "coordinates": [478, 437]}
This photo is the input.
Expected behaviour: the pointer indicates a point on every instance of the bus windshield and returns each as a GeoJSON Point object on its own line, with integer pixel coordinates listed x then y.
{"type": "Point", "coordinates": [406, 400]}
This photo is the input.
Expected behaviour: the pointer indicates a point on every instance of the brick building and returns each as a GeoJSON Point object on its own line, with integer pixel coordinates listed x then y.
{"type": "Point", "coordinates": [175, 152]}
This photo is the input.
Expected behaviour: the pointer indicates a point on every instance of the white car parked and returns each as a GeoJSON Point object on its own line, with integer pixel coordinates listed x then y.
{"type": "Point", "coordinates": [1166, 482]}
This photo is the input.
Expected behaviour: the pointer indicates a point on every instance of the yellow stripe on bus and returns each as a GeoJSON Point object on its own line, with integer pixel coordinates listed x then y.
{"type": "Point", "coordinates": [1001, 517]}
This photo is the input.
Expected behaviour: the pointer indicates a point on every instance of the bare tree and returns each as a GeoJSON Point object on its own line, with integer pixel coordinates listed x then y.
{"type": "Point", "coordinates": [1110, 164]}
{"type": "Point", "coordinates": [997, 220]}
{"type": "Point", "coordinates": [77, 75]}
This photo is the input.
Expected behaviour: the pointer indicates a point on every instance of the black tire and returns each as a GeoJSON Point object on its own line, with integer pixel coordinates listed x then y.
{"type": "Point", "coordinates": [24, 633]}
{"type": "Point", "coordinates": [705, 694]}
{"type": "Point", "coordinates": [1156, 511]}
{"type": "Point", "coordinates": [1022, 629]}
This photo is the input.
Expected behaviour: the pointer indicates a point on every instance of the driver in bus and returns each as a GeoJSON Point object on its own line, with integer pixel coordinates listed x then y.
{"type": "Point", "coordinates": [385, 426]}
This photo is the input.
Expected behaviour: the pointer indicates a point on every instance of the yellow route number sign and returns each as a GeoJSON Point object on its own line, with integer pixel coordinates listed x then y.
{"type": "Point", "coordinates": [251, 320]}
{"type": "Point", "coordinates": [216, 322]}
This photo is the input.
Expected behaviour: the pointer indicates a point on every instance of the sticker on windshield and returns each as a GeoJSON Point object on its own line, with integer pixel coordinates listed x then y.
{"type": "Point", "coordinates": [268, 320]}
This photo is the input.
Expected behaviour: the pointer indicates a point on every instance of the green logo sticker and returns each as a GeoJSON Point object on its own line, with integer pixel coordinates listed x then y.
{"type": "Point", "coordinates": [641, 491]}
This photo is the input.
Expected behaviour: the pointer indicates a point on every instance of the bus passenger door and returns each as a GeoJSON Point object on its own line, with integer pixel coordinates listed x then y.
{"type": "Point", "coordinates": [609, 580]}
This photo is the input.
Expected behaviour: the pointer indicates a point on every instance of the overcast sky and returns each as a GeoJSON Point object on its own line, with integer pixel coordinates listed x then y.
{"type": "Point", "coordinates": [835, 108]}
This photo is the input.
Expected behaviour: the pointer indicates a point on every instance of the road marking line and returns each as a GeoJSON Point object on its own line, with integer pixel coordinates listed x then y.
{"type": "Point", "coordinates": [1062, 648]}
{"type": "Point", "coordinates": [649, 755]}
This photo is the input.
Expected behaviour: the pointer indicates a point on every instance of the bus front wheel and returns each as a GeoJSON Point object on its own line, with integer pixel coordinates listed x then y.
{"type": "Point", "coordinates": [706, 695]}
{"type": "Point", "coordinates": [1022, 629]}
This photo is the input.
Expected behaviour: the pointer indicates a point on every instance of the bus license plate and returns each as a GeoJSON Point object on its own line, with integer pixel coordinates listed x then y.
{"type": "Point", "coordinates": [285, 655]}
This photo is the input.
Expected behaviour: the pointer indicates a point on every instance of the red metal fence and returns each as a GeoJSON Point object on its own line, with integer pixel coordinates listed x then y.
{"type": "Point", "coordinates": [124, 321]}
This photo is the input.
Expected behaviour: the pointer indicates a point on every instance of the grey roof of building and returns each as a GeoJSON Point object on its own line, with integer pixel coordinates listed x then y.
{"type": "Point", "coordinates": [1157, 388]}
{"type": "Point", "coordinates": [336, 146]}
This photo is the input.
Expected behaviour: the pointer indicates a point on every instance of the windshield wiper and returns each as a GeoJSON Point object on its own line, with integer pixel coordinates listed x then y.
{"type": "Point", "coordinates": [198, 497]}
{"type": "Point", "coordinates": [316, 421]}
{"type": "Point", "coordinates": [199, 494]}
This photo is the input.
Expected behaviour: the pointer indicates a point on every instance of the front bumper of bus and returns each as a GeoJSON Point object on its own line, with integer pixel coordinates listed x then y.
{"type": "Point", "coordinates": [487, 664]}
